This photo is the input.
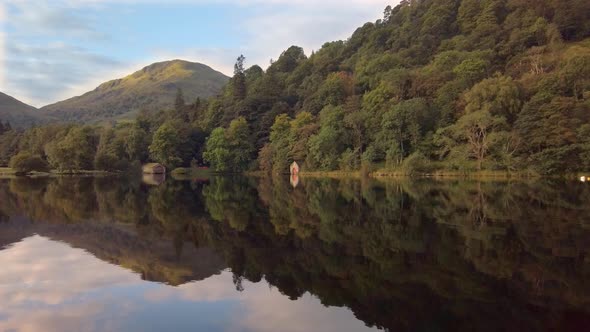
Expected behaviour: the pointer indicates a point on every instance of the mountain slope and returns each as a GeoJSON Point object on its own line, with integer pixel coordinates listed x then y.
{"type": "Point", "coordinates": [18, 113]}
{"type": "Point", "coordinates": [152, 88]}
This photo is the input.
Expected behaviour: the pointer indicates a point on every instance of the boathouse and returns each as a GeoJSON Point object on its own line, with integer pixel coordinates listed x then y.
{"type": "Point", "coordinates": [294, 168]}
{"type": "Point", "coordinates": [154, 168]}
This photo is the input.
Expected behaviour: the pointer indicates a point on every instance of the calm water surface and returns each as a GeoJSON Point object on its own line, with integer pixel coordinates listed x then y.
{"type": "Point", "coordinates": [244, 254]}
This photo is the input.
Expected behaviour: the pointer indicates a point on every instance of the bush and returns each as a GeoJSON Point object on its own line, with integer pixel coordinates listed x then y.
{"type": "Point", "coordinates": [417, 163]}
{"type": "Point", "coordinates": [349, 160]}
{"type": "Point", "coordinates": [24, 162]}
{"type": "Point", "coordinates": [181, 171]}
{"type": "Point", "coordinates": [109, 162]}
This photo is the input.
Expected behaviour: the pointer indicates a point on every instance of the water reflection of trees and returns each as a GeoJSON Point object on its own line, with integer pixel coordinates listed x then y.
{"type": "Point", "coordinates": [398, 253]}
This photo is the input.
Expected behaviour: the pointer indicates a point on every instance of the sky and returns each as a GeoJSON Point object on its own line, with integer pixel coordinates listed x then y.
{"type": "Point", "coordinates": [56, 49]}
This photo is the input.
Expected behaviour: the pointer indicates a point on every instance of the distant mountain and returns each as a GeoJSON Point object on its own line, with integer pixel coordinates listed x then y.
{"type": "Point", "coordinates": [152, 88]}
{"type": "Point", "coordinates": [18, 113]}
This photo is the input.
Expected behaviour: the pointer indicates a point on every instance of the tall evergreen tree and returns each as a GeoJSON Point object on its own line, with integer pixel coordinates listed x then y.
{"type": "Point", "coordinates": [239, 79]}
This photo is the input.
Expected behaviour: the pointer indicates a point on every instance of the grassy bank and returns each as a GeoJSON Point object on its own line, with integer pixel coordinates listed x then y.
{"type": "Point", "coordinates": [7, 171]}
{"type": "Point", "coordinates": [10, 172]}
{"type": "Point", "coordinates": [191, 173]}
{"type": "Point", "coordinates": [457, 174]}
{"type": "Point", "coordinates": [439, 174]}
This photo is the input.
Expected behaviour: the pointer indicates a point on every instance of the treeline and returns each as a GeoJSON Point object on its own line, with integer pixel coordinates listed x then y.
{"type": "Point", "coordinates": [452, 84]}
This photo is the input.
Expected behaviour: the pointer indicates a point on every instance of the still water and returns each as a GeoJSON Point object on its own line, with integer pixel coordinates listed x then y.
{"type": "Point", "coordinates": [246, 254]}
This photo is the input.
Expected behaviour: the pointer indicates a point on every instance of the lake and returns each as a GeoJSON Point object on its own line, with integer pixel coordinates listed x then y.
{"type": "Point", "coordinates": [250, 254]}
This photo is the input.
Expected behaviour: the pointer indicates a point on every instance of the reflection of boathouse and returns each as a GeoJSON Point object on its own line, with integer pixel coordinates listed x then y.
{"type": "Point", "coordinates": [154, 179]}
{"type": "Point", "coordinates": [154, 174]}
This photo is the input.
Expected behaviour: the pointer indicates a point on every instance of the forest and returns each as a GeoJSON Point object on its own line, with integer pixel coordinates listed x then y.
{"type": "Point", "coordinates": [458, 85]}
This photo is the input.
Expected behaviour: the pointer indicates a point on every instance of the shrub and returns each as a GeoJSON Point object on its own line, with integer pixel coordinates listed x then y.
{"type": "Point", "coordinates": [24, 162]}
{"type": "Point", "coordinates": [417, 163]}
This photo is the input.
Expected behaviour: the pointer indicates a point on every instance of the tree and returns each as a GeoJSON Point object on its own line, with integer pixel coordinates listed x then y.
{"type": "Point", "coordinates": [401, 128]}
{"type": "Point", "coordinates": [477, 130]}
{"type": "Point", "coordinates": [170, 145]}
{"type": "Point", "coordinates": [24, 162]}
{"type": "Point", "coordinates": [280, 145]}
{"type": "Point", "coordinates": [75, 151]}
{"type": "Point", "coordinates": [217, 152]}
{"type": "Point", "coordinates": [240, 143]}
{"type": "Point", "coordinates": [137, 144]}
{"type": "Point", "coordinates": [500, 96]}
{"type": "Point", "coordinates": [326, 147]}
{"type": "Point", "coordinates": [467, 15]}
{"type": "Point", "coordinates": [239, 79]}
{"type": "Point", "coordinates": [179, 103]}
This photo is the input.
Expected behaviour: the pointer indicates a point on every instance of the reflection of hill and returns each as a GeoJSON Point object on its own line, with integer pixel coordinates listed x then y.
{"type": "Point", "coordinates": [154, 259]}
{"type": "Point", "coordinates": [404, 255]}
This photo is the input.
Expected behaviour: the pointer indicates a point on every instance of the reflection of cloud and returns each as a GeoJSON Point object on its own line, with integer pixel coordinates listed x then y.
{"type": "Point", "coordinates": [212, 289]}
{"type": "Point", "coordinates": [266, 309]}
{"type": "Point", "coordinates": [49, 286]}
{"type": "Point", "coordinates": [43, 283]}
{"type": "Point", "coordinates": [261, 308]}
{"type": "Point", "coordinates": [37, 261]}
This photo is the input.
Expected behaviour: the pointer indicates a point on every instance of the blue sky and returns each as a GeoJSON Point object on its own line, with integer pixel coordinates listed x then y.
{"type": "Point", "coordinates": [55, 49]}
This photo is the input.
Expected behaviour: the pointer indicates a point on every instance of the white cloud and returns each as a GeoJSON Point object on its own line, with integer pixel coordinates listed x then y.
{"type": "Point", "coordinates": [2, 47]}
{"type": "Point", "coordinates": [43, 75]}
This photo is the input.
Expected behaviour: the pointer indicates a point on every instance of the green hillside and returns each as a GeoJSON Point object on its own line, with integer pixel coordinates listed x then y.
{"type": "Point", "coordinates": [19, 114]}
{"type": "Point", "coordinates": [457, 85]}
{"type": "Point", "coordinates": [152, 88]}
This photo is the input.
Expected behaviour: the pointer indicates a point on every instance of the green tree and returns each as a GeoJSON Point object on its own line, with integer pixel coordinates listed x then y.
{"type": "Point", "coordinates": [239, 79]}
{"type": "Point", "coordinates": [479, 132]}
{"type": "Point", "coordinates": [24, 162]}
{"type": "Point", "coordinates": [75, 151]}
{"type": "Point", "coordinates": [239, 139]}
{"type": "Point", "coordinates": [170, 145]}
{"type": "Point", "coordinates": [137, 144]}
{"type": "Point", "coordinates": [217, 151]}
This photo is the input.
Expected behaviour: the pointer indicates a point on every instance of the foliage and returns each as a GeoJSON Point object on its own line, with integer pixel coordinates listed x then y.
{"type": "Point", "coordinates": [171, 145]}
{"type": "Point", "coordinates": [24, 162]}
{"type": "Point", "coordinates": [230, 150]}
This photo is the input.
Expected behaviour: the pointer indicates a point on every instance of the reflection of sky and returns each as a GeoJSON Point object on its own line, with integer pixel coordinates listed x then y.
{"type": "Point", "coordinates": [49, 286]}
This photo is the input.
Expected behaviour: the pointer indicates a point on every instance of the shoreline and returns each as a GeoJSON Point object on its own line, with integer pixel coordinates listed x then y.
{"type": "Point", "coordinates": [381, 174]}
{"type": "Point", "coordinates": [378, 175]}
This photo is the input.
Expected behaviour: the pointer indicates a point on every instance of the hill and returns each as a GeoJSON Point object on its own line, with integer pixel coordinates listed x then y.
{"type": "Point", "coordinates": [18, 113]}
{"type": "Point", "coordinates": [457, 85]}
{"type": "Point", "coordinates": [151, 88]}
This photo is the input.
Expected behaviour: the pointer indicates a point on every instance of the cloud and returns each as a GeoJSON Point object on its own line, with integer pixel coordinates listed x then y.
{"type": "Point", "coordinates": [60, 48]}
{"type": "Point", "coordinates": [2, 50]}
{"type": "Point", "coordinates": [42, 73]}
